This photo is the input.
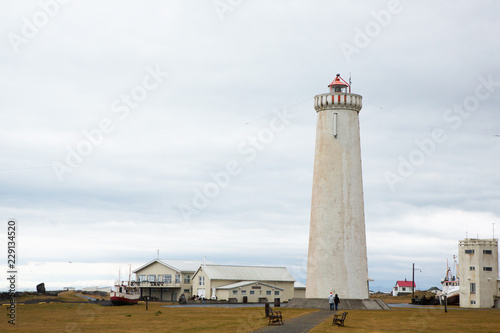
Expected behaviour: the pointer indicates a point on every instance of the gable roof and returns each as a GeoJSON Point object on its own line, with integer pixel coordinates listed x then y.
{"type": "Point", "coordinates": [177, 265]}
{"type": "Point", "coordinates": [405, 283]}
{"type": "Point", "coordinates": [298, 285]}
{"type": "Point", "coordinates": [245, 283]}
{"type": "Point", "coordinates": [247, 273]}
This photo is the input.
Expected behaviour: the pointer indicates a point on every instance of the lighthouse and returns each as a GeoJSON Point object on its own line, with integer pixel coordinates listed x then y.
{"type": "Point", "coordinates": [337, 260]}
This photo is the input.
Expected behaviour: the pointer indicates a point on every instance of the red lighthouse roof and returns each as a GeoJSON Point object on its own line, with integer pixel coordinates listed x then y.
{"type": "Point", "coordinates": [339, 85]}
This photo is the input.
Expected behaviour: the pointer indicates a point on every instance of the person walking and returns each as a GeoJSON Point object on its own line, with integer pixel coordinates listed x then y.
{"type": "Point", "coordinates": [336, 300]}
{"type": "Point", "coordinates": [331, 300]}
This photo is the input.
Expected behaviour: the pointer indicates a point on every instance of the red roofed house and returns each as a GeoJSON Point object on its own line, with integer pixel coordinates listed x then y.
{"type": "Point", "coordinates": [403, 287]}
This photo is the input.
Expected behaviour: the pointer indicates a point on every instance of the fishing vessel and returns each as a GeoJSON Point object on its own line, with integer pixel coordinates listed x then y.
{"type": "Point", "coordinates": [451, 285]}
{"type": "Point", "coordinates": [124, 293]}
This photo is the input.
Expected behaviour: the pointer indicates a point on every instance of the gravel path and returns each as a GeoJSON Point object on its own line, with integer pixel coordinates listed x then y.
{"type": "Point", "coordinates": [299, 324]}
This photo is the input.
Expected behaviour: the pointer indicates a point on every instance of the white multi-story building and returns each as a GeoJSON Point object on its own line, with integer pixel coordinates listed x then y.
{"type": "Point", "coordinates": [166, 279]}
{"type": "Point", "coordinates": [478, 271]}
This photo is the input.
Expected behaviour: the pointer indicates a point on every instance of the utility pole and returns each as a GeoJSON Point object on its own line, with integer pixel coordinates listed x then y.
{"type": "Point", "coordinates": [413, 282]}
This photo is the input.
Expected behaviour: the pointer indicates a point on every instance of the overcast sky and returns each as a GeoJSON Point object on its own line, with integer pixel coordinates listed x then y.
{"type": "Point", "coordinates": [188, 128]}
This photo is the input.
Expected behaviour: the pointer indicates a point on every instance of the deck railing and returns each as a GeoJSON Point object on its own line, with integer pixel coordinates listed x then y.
{"type": "Point", "coordinates": [150, 284]}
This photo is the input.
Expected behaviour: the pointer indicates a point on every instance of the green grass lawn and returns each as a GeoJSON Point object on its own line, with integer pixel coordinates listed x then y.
{"type": "Point", "coordinates": [87, 317]}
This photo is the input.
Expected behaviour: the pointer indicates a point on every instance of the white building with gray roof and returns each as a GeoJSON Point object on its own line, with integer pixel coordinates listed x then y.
{"type": "Point", "coordinates": [243, 283]}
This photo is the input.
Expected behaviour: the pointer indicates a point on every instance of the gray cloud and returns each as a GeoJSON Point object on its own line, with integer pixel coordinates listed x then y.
{"type": "Point", "coordinates": [226, 80]}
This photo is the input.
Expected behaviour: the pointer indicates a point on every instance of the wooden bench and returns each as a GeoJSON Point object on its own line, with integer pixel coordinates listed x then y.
{"type": "Point", "coordinates": [339, 319]}
{"type": "Point", "coordinates": [275, 317]}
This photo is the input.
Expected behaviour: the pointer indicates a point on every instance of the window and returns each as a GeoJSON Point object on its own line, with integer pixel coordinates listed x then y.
{"type": "Point", "coordinates": [252, 292]}
{"type": "Point", "coordinates": [472, 302]}
{"type": "Point", "coordinates": [469, 251]}
{"type": "Point", "coordinates": [201, 281]}
{"type": "Point", "coordinates": [187, 278]}
{"type": "Point", "coordinates": [472, 288]}
{"type": "Point", "coordinates": [488, 269]}
{"type": "Point", "coordinates": [472, 268]}
{"type": "Point", "coordinates": [487, 252]}
{"type": "Point", "coordinates": [235, 292]}
{"type": "Point", "coordinates": [177, 278]}
{"type": "Point", "coordinates": [404, 289]}
{"type": "Point", "coordinates": [268, 292]}
{"type": "Point", "coordinates": [141, 278]}
{"type": "Point", "coordinates": [276, 292]}
{"type": "Point", "coordinates": [243, 292]}
{"type": "Point", "coordinates": [166, 278]}
{"type": "Point", "coordinates": [152, 278]}
{"type": "Point", "coordinates": [187, 290]}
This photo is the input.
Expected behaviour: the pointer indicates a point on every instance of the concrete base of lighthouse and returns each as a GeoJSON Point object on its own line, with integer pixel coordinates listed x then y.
{"type": "Point", "coordinates": [345, 304]}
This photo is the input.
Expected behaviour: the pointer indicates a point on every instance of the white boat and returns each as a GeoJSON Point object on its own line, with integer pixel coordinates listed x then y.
{"type": "Point", "coordinates": [451, 285]}
{"type": "Point", "coordinates": [123, 293]}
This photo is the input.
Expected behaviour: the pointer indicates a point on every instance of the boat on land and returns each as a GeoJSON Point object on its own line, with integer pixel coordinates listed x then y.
{"type": "Point", "coordinates": [451, 286]}
{"type": "Point", "coordinates": [123, 293]}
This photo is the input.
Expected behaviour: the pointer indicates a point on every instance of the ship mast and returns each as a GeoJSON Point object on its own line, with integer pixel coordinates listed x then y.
{"type": "Point", "coordinates": [129, 272]}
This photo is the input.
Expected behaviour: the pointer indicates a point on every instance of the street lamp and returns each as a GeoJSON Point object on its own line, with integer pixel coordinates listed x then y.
{"type": "Point", "coordinates": [413, 281]}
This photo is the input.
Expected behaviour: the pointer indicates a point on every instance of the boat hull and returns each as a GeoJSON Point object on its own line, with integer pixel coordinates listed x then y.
{"type": "Point", "coordinates": [124, 299]}
{"type": "Point", "coordinates": [453, 299]}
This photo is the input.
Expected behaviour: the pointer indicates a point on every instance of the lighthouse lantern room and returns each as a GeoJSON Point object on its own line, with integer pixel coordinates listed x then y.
{"type": "Point", "coordinates": [339, 85]}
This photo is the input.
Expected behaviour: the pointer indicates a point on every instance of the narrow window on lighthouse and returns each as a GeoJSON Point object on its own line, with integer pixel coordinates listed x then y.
{"type": "Point", "coordinates": [335, 125]}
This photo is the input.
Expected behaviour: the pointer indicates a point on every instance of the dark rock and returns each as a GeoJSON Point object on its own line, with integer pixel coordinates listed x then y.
{"type": "Point", "coordinates": [40, 288]}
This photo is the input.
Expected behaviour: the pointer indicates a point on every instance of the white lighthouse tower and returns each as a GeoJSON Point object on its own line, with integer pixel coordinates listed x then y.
{"type": "Point", "coordinates": [337, 259]}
